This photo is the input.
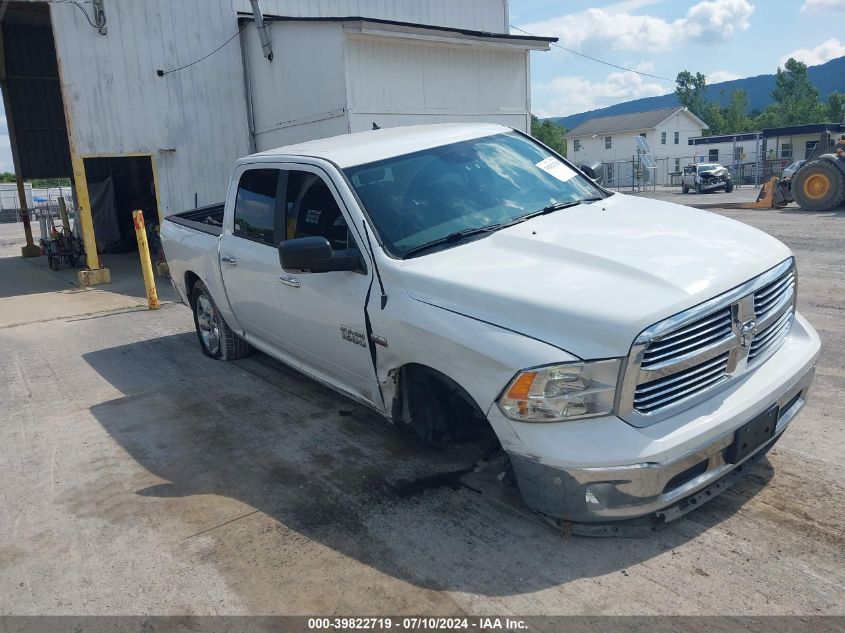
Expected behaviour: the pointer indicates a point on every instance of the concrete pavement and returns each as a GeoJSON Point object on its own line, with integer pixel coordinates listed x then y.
{"type": "Point", "coordinates": [140, 477]}
{"type": "Point", "coordinates": [714, 200]}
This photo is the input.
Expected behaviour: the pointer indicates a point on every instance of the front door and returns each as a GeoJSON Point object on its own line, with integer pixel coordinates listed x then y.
{"type": "Point", "coordinates": [323, 314]}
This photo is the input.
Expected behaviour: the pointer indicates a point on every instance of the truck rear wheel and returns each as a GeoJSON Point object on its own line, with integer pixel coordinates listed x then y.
{"type": "Point", "coordinates": [216, 338]}
{"type": "Point", "coordinates": [819, 186]}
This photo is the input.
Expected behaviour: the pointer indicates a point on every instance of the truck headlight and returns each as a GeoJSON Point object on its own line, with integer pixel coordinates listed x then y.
{"type": "Point", "coordinates": [562, 392]}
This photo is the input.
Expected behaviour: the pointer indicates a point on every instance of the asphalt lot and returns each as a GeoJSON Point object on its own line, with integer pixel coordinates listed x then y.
{"type": "Point", "coordinates": [140, 477]}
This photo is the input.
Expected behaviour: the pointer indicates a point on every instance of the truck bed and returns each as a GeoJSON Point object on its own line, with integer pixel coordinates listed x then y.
{"type": "Point", "coordinates": [191, 244]}
{"type": "Point", "coordinates": [207, 219]}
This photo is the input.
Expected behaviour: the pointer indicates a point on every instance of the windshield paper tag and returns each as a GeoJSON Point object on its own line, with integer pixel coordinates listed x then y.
{"type": "Point", "coordinates": [554, 167]}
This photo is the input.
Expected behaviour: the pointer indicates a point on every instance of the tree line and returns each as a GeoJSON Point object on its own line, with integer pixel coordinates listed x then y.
{"type": "Point", "coordinates": [38, 183]}
{"type": "Point", "coordinates": [795, 101]}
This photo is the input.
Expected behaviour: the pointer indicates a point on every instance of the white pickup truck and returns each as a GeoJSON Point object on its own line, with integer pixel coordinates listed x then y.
{"type": "Point", "coordinates": [632, 356]}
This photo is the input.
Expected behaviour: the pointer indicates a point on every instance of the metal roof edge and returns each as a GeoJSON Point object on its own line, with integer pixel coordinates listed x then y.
{"type": "Point", "coordinates": [247, 17]}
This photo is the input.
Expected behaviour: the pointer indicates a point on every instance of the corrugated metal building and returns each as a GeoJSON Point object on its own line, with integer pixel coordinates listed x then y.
{"type": "Point", "coordinates": [160, 97]}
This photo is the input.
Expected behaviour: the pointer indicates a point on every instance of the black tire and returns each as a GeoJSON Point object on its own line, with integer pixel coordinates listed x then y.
{"type": "Point", "coordinates": [729, 187]}
{"type": "Point", "coordinates": [819, 186]}
{"type": "Point", "coordinates": [684, 188]}
{"type": "Point", "coordinates": [216, 338]}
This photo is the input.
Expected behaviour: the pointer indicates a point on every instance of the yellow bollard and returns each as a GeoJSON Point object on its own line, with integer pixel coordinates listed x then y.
{"type": "Point", "coordinates": [146, 264]}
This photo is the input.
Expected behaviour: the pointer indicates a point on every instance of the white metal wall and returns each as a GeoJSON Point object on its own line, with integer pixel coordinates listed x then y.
{"type": "Point", "coordinates": [193, 121]}
{"type": "Point", "coordinates": [301, 94]}
{"type": "Point", "coordinates": [406, 82]}
{"type": "Point", "coordinates": [479, 15]}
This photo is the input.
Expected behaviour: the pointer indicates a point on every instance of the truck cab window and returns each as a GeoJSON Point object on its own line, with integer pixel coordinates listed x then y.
{"type": "Point", "coordinates": [255, 205]}
{"type": "Point", "coordinates": [311, 210]}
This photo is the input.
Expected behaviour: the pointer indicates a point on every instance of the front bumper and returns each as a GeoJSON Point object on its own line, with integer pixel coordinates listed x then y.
{"type": "Point", "coordinates": [710, 185]}
{"type": "Point", "coordinates": [662, 470]}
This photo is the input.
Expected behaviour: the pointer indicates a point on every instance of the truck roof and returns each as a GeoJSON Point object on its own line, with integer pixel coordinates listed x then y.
{"type": "Point", "coordinates": [361, 148]}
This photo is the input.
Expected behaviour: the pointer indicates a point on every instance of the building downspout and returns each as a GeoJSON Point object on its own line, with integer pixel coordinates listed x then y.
{"type": "Point", "coordinates": [263, 36]}
{"type": "Point", "coordinates": [250, 111]}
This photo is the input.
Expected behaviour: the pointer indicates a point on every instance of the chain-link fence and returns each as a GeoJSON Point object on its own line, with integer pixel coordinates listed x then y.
{"type": "Point", "coordinates": [41, 202]}
{"type": "Point", "coordinates": [632, 175]}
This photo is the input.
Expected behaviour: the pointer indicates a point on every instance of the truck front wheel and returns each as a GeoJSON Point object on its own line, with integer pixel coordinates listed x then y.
{"type": "Point", "coordinates": [216, 338]}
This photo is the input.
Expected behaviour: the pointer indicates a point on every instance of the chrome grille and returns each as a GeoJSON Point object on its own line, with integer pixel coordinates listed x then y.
{"type": "Point", "coordinates": [678, 362]}
{"type": "Point", "coordinates": [689, 340]}
{"type": "Point", "coordinates": [664, 391]}
{"type": "Point", "coordinates": [770, 338]}
{"type": "Point", "coordinates": [770, 297]}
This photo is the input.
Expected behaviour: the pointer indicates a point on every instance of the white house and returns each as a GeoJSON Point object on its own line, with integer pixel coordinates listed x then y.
{"type": "Point", "coordinates": [157, 98]}
{"type": "Point", "coordinates": [610, 140]}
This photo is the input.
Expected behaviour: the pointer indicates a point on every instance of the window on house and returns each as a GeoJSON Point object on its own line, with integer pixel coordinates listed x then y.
{"type": "Point", "coordinates": [663, 138]}
{"type": "Point", "coordinates": [255, 205]}
{"type": "Point", "coordinates": [608, 169]}
{"type": "Point", "coordinates": [737, 153]}
{"type": "Point", "coordinates": [786, 150]}
{"type": "Point", "coordinates": [577, 145]}
{"type": "Point", "coordinates": [677, 165]}
{"type": "Point", "coordinates": [713, 156]}
{"type": "Point", "coordinates": [608, 142]}
{"type": "Point", "coordinates": [809, 148]}
{"type": "Point", "coordinates": [677, 137]}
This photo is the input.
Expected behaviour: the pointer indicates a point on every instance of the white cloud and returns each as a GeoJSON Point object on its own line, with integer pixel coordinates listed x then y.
{"type": "Point", "coordinates": [718, 19]}
{"type": "Point", "coordinates": [822, 6]}
{"type": "Point", "coordinates": [824, 52]}
{"type": "Point", "coordinates": [626, 6]}
{"type": "Point", "coordinates": [710, 20]}
{"type": "Point", "coordinates": [718, 76]}
{"type": "Point", "coordinates": [643, 66]}
{"type": "Point", "coordinates": [567, 95]}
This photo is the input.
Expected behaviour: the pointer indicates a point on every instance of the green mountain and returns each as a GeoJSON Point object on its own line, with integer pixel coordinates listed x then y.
{"type": "Point", "coordinates": [826, 77]}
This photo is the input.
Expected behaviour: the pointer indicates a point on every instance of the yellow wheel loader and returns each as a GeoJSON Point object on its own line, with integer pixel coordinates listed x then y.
{"type": "Point", "coordinates": [819, 184]}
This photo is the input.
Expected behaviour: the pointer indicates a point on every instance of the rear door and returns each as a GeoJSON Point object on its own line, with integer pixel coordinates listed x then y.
{"type": "Point", "coordinates": [249, 258]}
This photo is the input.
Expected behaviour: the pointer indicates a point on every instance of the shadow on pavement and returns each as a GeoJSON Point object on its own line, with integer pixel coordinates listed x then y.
{"type": "Point", "coordinates": [318, 464]}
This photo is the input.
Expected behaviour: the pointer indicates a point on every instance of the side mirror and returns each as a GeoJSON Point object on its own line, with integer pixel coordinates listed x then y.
{"type": "Point", "coordinates": [593, 172]}
{"type": "Point", "coordinates": [315, 254]}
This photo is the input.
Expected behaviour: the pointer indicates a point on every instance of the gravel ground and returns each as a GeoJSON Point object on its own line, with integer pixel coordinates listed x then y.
{"type": "Point", "coordinates": [140, 477]}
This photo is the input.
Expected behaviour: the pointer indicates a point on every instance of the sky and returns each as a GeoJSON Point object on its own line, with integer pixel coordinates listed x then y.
{"type": "Point", "coordinates": [723, 39]}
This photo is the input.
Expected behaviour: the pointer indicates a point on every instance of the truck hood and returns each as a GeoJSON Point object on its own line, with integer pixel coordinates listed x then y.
{"type": "Point", "coordinates": [589, 279]}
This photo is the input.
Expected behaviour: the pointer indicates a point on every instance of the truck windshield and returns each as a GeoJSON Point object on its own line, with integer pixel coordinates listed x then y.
{"type": "Point", "coordinates": [460, 189]}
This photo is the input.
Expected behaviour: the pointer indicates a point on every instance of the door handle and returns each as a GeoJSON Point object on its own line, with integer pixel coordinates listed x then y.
{"type": "Point", "coordinates": [228, 259]}
{"type": "Point", "coordinates": [289, 280]}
